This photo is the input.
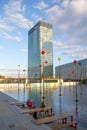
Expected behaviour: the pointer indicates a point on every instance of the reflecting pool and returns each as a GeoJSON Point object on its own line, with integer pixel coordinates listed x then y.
{"type": "Point", "coordinates": [73, 99]}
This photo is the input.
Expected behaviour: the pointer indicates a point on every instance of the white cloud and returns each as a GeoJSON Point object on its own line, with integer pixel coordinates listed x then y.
{"type": "Point", "coordinates": [69, 21]}
{"type": "Point", "coordinates": [78, 54]}
{"type": "Point", "coordinates": [5, 31]}
{"type": "Point", "coordinates": [54, 1]}
{"type": "Point", "coordinates": [65, 3]}
{"type": "Point", "coordinates": [13, 18]}
{"type": "Point", "coordinates": [71, 18]}
{"type": "Point", "coordinates": [35, 16]}
{"type": "Point", "coordinates": [14, 14]}
{"type": "Point", "coordinates": [5, 35]}
{"type": "Point", "coordinates": [70, 49]}
{"type": "Point", "coordinates": [59, 45]}
{"type": "Point", "coordinates": [41, 5]}
{"type": "Point", "coordinates": [80, 6]}
{"type": "Point", "coordinates": [5, 27]}
{"type": "Point", "coordinates": [13, 6]}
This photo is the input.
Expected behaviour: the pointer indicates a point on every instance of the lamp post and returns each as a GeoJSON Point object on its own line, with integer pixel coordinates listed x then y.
{"type": "Point", "coordinates": [43, 52]}
{"type": "Point", "coordinates": [81, 78]}
{"type": "Point", "coordinates": [18, 75]}
{"type": "Point", "coordinates": [24, 85]}
{"type": "Point", "coordinates": [75, 63]}
{"type": "Point", "coordinates": [59, 59]}
{"type": "Point", "coordinates": [24, 79]}
{"type": "Point", "coordinates": [60, 101]}
{"type": "Point", "coordinates": [46, 72]}
{"type": "Point", "coordinates": [29, 76]}
{"type": "Point", "coordinates": [73, 72]}
{"type": "Point", "coordinates": [46, 62]}
{"type": "Point", "coordinates": [76, 100]}
{"type": "Point", "coordinates": [40, 81]}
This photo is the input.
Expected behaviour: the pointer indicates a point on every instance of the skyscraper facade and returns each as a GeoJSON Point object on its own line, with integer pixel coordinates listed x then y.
{"type": "Point", "coordinates": [40, 38]}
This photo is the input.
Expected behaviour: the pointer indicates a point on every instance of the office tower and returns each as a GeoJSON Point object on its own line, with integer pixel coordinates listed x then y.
{"type": "Point", "coordinates": [40, 38]}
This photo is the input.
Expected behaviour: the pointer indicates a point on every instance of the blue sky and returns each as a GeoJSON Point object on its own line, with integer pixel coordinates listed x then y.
{"type": "Point", "coordinates": [69, 20]}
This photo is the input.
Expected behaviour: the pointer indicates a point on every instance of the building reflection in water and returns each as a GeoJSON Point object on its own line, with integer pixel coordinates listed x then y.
{"type": "Point", "coordinates": [60, 105]}
{"type": "Point", "coordinates": [18, 95]}
{"type": "Point", "coordinates": [76, 111]}
{"type": "Point", "coordinates": [23, 95]}
{"type": "Point", "coordinates": [81, 87]}
{"type": "Point", "coordinates": [76, 100]}
{"type": "Point", "coordinates": [46, 93]}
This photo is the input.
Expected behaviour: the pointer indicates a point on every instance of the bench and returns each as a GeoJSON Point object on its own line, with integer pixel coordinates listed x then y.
{"type": "Point", "coordinates": [60, 126]}
{"type": "Point", "coordinates": [31, 111]}
{"type": "Point", "coordinates": [62, 117]}
{"type": "Point", "coordinates": [51, 119]}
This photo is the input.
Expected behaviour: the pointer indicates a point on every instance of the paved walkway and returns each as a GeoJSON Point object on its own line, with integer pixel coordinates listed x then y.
{"type": "Point", "coordinates": [12, 119]}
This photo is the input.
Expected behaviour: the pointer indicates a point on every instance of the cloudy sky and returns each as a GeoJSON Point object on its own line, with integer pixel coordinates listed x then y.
{"type": "Point", "coordinates": [69, 20]}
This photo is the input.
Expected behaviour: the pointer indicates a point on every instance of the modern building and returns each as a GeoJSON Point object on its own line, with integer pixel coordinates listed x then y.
{"type": "Point", "coordinates": [75, 71]}
{"type": "Point", "coordinates": [40, 38]}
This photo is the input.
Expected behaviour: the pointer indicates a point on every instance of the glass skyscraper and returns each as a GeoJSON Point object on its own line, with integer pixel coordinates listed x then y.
{"type": "Point", "coordinates": [40, 38]}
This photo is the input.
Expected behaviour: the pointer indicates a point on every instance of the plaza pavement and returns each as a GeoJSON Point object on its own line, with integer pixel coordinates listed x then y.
{"type": "Point", "coordinates": [12, 119]}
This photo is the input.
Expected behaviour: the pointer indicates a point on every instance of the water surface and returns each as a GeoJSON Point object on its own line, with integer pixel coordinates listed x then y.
{"type": "Point", "coordinates": [73, 100]}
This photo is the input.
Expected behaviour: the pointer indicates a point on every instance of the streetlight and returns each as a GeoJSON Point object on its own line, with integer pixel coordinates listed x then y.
{"type": "Point", "coordinates": [29, 76]}
{"type": "Point", "coordinates": [24, 79]}
{"type": "Point", "coordinates": [81, 78]}
{"type": "Point", "coordinates": [43, 52]}
{"type": "Point", "coordinates": [60, 100]}
{"type": "Point", "coordinates": [18, 75]}
{"type": "Point", "coordinates": [45, 75]}
{"type": "Point", "coordinates": [59, 59]}
{"type": "Point", "coordinates": [40, 80]}
{"type": "Point", "coordinates": [46, 62]}
{"type": "Point", "coordinates": [24, 84]}
{"type": "Point", "coordinates": [75, 63]}
{"type": "Point", "coordinates": [73, 73]}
